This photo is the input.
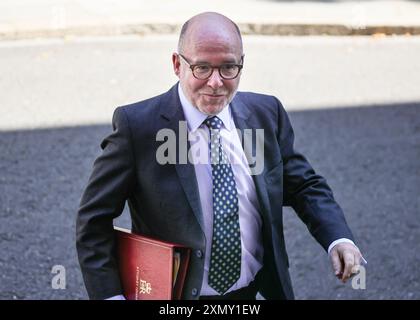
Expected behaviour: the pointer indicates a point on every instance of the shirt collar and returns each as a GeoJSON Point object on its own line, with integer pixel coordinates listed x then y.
{"type": "Point", "coordinates": [195, 117]}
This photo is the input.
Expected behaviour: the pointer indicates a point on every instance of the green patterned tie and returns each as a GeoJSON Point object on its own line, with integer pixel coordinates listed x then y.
{"type": "Point", "coordinates": [225, 260]}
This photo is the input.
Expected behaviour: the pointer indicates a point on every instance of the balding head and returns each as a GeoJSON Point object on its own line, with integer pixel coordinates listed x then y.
{"type": "Point", "coordinates": [208, 25]}
{"type": "Point", "coordinates": [209, 41]}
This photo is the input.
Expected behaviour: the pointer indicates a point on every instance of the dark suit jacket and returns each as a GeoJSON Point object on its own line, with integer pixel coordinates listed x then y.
{"type": "Point", "coordinates": [164, 200]}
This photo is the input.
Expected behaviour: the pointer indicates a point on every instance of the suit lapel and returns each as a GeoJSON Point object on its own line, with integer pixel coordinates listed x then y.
{"type": "Point", "coordinates": [171, 112]}
{"type": "Point", "coordinates": [243, 119]}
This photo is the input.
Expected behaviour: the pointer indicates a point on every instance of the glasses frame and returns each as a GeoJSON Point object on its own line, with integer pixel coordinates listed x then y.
{"type": "Point", "coordinates": [193, 66]}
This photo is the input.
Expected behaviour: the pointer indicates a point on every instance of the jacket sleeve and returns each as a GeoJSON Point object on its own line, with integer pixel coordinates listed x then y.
{"type": "Point", "coordinates": [109, 185]}
{"type": "Point", "coordinates": [307, 192]}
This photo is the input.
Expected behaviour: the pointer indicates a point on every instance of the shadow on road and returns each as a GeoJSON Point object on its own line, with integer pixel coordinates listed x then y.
{"type": "Point", "coordinates": [369, 155]}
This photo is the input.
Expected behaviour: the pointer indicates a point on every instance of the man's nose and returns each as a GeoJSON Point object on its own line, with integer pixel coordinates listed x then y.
{"type": "Point", "coordinates": [215, 81]}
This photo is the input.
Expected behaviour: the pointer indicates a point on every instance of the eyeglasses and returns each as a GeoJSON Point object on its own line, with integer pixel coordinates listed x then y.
{"type": "Point", "coordinates": [204, 71]}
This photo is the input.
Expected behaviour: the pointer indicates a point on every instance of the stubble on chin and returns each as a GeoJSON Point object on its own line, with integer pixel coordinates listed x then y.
{"type": "Point", "coordinates": [211, 110]}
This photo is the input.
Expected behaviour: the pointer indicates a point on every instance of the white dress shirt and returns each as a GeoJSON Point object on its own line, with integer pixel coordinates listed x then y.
{"type": "Point", "coordinates": [249, 217]}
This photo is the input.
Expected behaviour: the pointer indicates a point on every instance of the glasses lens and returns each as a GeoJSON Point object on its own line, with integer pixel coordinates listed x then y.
{"type": "Point", "coordinates": [229, 71]}
{"type": "Point", "coordinates": [202, 71]}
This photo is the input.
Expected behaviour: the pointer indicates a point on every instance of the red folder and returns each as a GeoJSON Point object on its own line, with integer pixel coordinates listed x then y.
{"type": "Point", "coordinates": [150, 269]}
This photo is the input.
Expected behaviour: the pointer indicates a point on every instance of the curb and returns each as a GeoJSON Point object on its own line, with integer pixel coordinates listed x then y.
{"type": "Point", "coordinates": [326, 29]}
{"type": "Point", "coordinates": [246, 29]}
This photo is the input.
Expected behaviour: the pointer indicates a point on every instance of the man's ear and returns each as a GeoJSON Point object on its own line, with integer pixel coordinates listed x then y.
{"type": "Point", "coordinates": [176, 64]}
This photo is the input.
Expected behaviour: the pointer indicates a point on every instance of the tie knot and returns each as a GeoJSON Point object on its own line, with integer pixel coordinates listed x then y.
{"type": "Point", "coordinates": [213, 123]}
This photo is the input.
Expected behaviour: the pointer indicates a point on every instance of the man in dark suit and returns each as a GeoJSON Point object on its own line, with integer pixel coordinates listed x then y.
{"type": "Point", "coordinates": [224, 202]}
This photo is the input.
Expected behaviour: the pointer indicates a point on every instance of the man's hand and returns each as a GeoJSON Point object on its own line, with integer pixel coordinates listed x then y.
{"type": "Point", "coordinates": [345, 258]}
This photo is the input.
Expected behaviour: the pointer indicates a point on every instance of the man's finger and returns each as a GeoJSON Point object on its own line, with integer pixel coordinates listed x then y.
{"type": "Point", "coordinates": [348, 258]}
{"type": "Point", "coordinates": [355, 269]}
{"type": "Point", "coordinates": [357, 259]}
{"type": "Point", "coordinates": [357, 263]}
{"type": "Point", "coordinates": [336, 263]}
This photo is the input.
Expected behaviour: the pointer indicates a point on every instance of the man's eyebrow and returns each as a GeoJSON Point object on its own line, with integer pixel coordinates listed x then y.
{"type": "Point", "coordinates": [229, 62]}
{"type": "Point", "coordinates": [232, 61]}
{"type": "Point", "coordinates": [201, 62]}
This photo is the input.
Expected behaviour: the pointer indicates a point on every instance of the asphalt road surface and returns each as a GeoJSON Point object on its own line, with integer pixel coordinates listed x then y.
{"type": "Point", "coordinates": [354, 104]}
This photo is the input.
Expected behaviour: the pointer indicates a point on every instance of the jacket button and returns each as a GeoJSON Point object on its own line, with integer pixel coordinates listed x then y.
{"type": "Point", "coordinates": [199, 254]}
{"type": "Point", "coordinates": [194, 292]}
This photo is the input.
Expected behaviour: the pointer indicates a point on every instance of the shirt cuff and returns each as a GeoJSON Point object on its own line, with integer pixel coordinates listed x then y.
{"type": "Point", "coordinates": [341, 240]}
{"type": "Point", "coordinates": [119, 297]}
